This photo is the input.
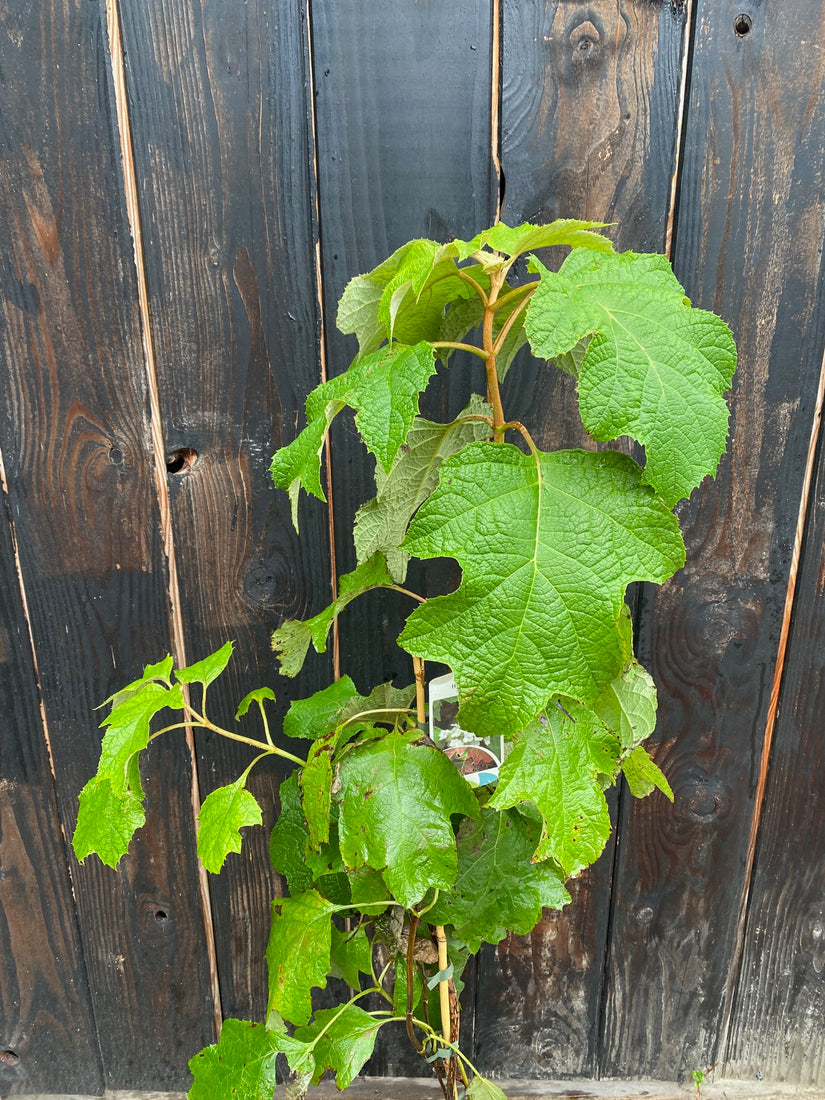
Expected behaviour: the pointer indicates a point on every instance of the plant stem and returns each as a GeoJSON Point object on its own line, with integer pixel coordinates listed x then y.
{"type": "Point", "coordinates": [488, 343]}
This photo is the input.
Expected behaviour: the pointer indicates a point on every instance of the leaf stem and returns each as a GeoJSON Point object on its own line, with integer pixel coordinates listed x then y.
{"type": "Point", "coordinates": [488, 343]}
{"type": "Point", "coordinates": [204, 723]}
{"type": "Point", "coordinates": [407, 592]}
{"type": "Point", "coordinates": [508, 324]}
{"type": "Point", "coordinates": [517, 426]}
{"type": "Point", "coordinates": [457, 346]}
{"type": "Point", "coordinates": [462, 274]}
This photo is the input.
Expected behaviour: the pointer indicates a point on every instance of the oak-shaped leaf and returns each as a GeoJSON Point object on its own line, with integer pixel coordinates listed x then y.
{"type": "Point", "coordinates": [223, 813]}
{"type": "Point", "coordinates": [343, 1040]}
{"type": "Point", "coordinates": [107, 820]}
{"type": "Point", "coordinates": [291, 640]}
{"type": "Point", "coordinates": [381, 523]}
{"type": "Point", "coordinates": [656, 369]}
{"type": "Point", "coordinates": [552, 766]}
{"type": "Point", "coordinates": [547, 544]}
{"type": "Point", "coordinates": [297, 954]}
{"type": "Point", "coordinates": [497, 889]}
{"type": "Point", "coordinates": [396, 799]}
{"type": "Point", "coordinates": [383, 388]}
{"type": "Point", "coordinates": [242, 1064]}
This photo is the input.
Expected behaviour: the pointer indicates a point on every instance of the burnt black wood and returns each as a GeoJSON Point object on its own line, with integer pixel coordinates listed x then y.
{"type": "Point", "coordinates": [748, 245]}
{"type": "Point", "coordinates": [780, 1001]}
{"type": "Point", "coordinates": [590, 96]}
{"type": "Point", "coordinates": [75, 441]}
{"type": "Point", "coordinates": [404, 150]}
{"type": "Point", "coordinates": [220, 116]}
{"type": "Point", "coordinates": [47, 1034]}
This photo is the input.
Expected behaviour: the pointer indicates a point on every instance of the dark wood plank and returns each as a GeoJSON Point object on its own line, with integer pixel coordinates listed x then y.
{"type": "Point", "coordinates": [75, 441]}
{"type": "Point", "coordinates": [780, 1000]}
{"type": "Point", "coordinates": [47, 1033]}
{"type": "Point", "coordinates": [589, 121]}
{"type": "Point", "coordinates": [403, 117]}
{"type": "Point", "coordinates": [748, 244]}
{"type": "Point", "coordinates": [219, 112]}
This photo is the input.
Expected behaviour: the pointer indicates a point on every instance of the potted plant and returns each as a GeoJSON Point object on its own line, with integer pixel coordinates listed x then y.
{"type": "Point", "coordinates": [406, 845]}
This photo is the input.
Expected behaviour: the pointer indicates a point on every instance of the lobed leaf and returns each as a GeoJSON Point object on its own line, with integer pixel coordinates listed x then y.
{"type": "Point", "coordinates": [497, 889]}
{"type": "Point", "coordinates": [242, 1064]}
{"type": "Point", "coordinates": [547, 544]}
{"type": "Point", "coordinates": [515, 240]}
{"type": "Point", "coordinates": [298, 953]}
{"type": "Point", "coordinates": [107, 820]}
{"type": "Point", "coordinates": [291, 640]}
{"type": "Point", "coordinates": [396, 800]}
{"type": "Point", "coordinates": [350, 956]}
{"type": "Point", "coordinates": [552, 766]}
{"type": "Point", "coordinates": [223, 813]}
{"type": "Point", "coordinates": [383, 388]}
{"type": "Point", "coordinates": [381, 523]}
{"type": "Point", "coordinates": [655, 369]}
{"type": "Point", "coordinates": [343, 1039]}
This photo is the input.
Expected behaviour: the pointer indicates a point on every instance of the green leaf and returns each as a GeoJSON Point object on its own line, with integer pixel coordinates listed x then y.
{"type": "Point", "coordinates": [405, 295]}
{"type": "Point", "coordinates": [513, 241]}
{"type": "Point", "coordinates": [224, 812]}
{"type": "Point", "coordinates": [459, 320]}
{"type": "Point", "coordinates": [381, 524]}
{"type": "Point", "coordinates": [207, 670]}
{"type": "Point", "coordinates": [399, 992]}
{"type": "Point", "coordinates": [547, 545]}
{"type": "Point", "coordinates": [396, 800]}
{"type": "Point", "coordinates": [320, 713]}
{"type": "Point", "coordinates": [628, 705]}
{"type": "Point", "coordinates": [551, 765]}
{"type": "Point", "coordinates": [350, 956]}
{"type": "Point", "coordinates": [289, 839]}
{"type": "Point", "coordinates": [298, 465]}
{"type": "Point", "coordinates": [256, 696]}
{"type": "Point", "coordinates": [128, 730]}
{"type": "Point", "coordinates": [482, 1089]}
{"type": "Point", "coordinates": [316, 782]}
{"type": "Point", "coordinates": [344, 1040]}
{"type": "Point", "coordinates": [291, 640]}
{"type": "Point", "coordinates": [298, 953]}
{"type": "Point", "coordinates": [497, 889]}
{"type": "Point", "coordinates": [656, 369]}
{"type": "Point", "coordinates": [243, 1063]}
{"type": "Point", "coordinates": [643, 775]}
{"type": "Point", "coordinates": [107, 820]}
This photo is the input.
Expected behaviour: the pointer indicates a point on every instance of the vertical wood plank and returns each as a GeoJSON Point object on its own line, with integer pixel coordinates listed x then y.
{"type": "Point", "coordinates": [47, 1032]}
{"type": "Point", "coordinates": [75, 440]}
{"type": "Point", "coordinates": [749, 243]}
{"type": "Point", "coordinates": [219, 114]}
{"type": "Point", "coordinates": [779, 1006]}
{"type": "Point", "coordinates": [590, 102]}
{"type": "Point", "coordinates": [403, 124]}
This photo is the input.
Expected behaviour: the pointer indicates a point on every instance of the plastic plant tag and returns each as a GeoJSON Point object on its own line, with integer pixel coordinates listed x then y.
{"type": "Point", "coordinates": [477, 759]}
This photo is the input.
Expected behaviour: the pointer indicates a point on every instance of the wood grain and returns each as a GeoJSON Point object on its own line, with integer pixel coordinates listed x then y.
{"type": "Point", "coordinates": [589, 112]}
{"type": "Point", "coordinates": [780, 996]}
{"type": "Point", "coordinates": [74, 437]}
{"type": "Point", "coordinates": [219, 115]}
{"type": "Point", "coordinates": [748, 244]}
{"type": "Point", "coordinates": [47, 1033]}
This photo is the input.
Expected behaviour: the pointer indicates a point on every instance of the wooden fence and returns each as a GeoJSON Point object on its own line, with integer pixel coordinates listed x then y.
{"type": "Point", "coordinates": [259, 153]}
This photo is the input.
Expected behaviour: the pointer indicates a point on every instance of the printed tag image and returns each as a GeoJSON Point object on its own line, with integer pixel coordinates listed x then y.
{"type": "Point", "coordinates": [477, 759]}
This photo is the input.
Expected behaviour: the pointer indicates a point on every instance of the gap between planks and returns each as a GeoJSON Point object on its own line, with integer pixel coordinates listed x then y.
{"type": "Point", "coordinates": [388, 1088]}
{"type": "Point", "coordinates": [124, 129]}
